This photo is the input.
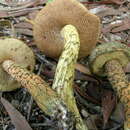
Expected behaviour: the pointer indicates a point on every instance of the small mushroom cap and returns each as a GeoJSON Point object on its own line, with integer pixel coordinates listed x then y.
{"type": "Point", "coordinates": [17, 51]}
{"type": "Point", "coordinates": [106, 52]}
{"type": "Point", "coordinates": [54, 16]}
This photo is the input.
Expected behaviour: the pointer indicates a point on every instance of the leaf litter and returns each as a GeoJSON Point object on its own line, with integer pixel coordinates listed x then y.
{"type": "Point", "coordinates": [95, 97]}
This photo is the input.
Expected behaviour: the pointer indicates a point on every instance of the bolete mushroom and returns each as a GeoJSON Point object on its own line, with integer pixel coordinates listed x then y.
{"type": "Point", "coordinates": [64, 76]}
{"type": "Point", "coordinates": [47, 99]}
{"type": "Point", "coordinates": [20, 53]}
{"type": "Point", "coordinates": [60, 102]}
{"type": "Point", "coordinates": [109, 59]}
{"type": "Point", "coordinates": [17, 62]}
{"type": "Point", "coordinates": [54, 16]}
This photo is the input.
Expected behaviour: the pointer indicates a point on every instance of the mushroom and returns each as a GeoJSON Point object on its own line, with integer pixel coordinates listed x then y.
{"type": "Point", "coordinates": [64, 76]}
{"type": "Point", "coordinates": [20, 53]}
{"type": "Point", "coordinates": [109, 59]}
{"type": "Point", "coordinates": [61, 102]}
{"type": "Point", "coordinates": [54, 16]}
{"type": "Point", "coordinates": [17, 62]}
{"type": "Point", "coordinates": [47, 99]}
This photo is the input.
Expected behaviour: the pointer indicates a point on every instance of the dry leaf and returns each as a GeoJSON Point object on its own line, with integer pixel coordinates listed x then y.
{"type": "Point", "coordinates": [82, 69]}
{"type": "Point", "coordinates": [90, 120]}
{"type": "Point", "coordinates": [108, 103]}
{"type": "Point", "coordinates": [108, 12]}
{"type": "Point", "coordinates": [119, 2]}
{"type": "Point", "coordinates": [109, 27]}
{"type": "Point", "coordinates": [3, 14]}
{"type": "Point", "coordinates": [20, 2]}
{"type": "Point", "coordinates": [81, 76]}
{"type": "Point", "coordinates": [85, 95]}
{"type": "Point", "coordinates": [125, 25]}
{"type": "Point", "coordinates": [24, 31]}
{"type": "Point", "coordinates": [117, 26]}
{"type": "Point", "coordinates": [94, 90]}
{"type": "Point", "coordinates": [17, 119]}
{"type": "Point", "coordinates": [119, 114]}
{"type": "Point", "coordinates": [33, 14]}
{"type": "Point", "coordinates": [23, 25]}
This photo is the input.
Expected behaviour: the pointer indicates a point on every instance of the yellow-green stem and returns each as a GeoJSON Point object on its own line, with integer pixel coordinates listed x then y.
{"type": "Point", "coordinates": [64, 76]}
{"type": "Point", "coordinates": [121, 85]}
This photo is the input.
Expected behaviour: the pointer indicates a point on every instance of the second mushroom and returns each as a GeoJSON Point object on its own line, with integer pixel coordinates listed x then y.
{"type": "Point", "coordinates": [109, 59]}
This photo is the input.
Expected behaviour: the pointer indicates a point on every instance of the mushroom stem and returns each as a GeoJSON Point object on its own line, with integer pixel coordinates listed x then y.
{"type": "Point", "coordinates": [64, 76]}
{"type": "Point", "coordinates": [46, 98]}
{"type": "Point", "coordinates": [120, 83]}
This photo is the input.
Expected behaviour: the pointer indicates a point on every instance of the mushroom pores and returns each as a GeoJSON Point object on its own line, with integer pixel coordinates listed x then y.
{"type": "Point", "coordinates": [20, 53]}
{"type": "Point", "coordinates": [54, 16]}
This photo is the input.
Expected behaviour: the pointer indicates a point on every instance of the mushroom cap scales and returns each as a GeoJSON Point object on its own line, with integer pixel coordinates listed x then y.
{"type": "Point", "coordinates": [20, 53]}
{"type": "Point", "coordinates": [54, 16]}
{"type": "Point", "coordinates": [106, 52]}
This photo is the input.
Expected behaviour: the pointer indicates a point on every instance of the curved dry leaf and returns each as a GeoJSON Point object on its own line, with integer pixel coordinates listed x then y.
{"type": "Point", "coordinates": [119, 2]}
{"type": "Point", "coordinates": [23, 25]}
{"type": "Point", "coordinates": [17, 2]}
{"type": "Point", "coordinates": [24, 31]}
{"type": "Point", "coordinates": [17, 119]}
{"type": "Point", "coordinates": [108, 103]}
{"type": "Point", "coordinates": [82, 69]}
{"type": "Point", "coordinates": [125, 25]}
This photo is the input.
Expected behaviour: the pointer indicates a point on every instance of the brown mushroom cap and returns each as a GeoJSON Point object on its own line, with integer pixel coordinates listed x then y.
{"type": "Point", "coordinates": [54, 16]}
{"type": "Point", "coordinates": [17, 51]}
{"type": "Point", "coordinates": [106, 52]}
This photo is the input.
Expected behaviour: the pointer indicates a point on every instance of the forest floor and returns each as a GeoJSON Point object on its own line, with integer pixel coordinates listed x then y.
{"type": "Point", "coordinates": [96, 100]}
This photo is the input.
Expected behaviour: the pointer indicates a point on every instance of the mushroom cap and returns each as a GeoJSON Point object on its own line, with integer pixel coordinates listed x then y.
{"type": "Point", "coordinates": [106, 52]}
{"type": "Point", "coordinates": [54, 16]}
{"type": "Point", "coordinates": [17, 51]}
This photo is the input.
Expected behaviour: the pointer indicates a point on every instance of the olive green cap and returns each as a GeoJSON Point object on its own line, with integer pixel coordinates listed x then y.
{"type": "Point", "coordinates": [106, 52]}
{"type": "Point", "coordinates": [19, 52]}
